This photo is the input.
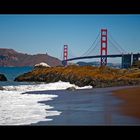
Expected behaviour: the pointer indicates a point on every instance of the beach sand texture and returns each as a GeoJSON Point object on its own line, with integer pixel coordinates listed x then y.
{"type": "Point", "coordinates": [131, 98]}
{"type": "Point", "coordinates": [88, 107]}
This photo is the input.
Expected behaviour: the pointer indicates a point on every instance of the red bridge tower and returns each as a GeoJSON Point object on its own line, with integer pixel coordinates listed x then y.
{"type": "Point", "coordinates": [103, 47]}
{"type": "Point", "coordinates": [65, 55]}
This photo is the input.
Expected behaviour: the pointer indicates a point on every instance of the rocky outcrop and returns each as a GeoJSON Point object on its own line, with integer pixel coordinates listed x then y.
{"type": "Point", "coordinates": [71, 88]}
{"type": "Point", "coordinates": [83, 76]}
{"type": "Point", "coordinates": [3, 77]}
{"type": "Point", "coordinates": [42, 65]}
{"type": "Point", "coordinates": [9, 57]}
{"type": "Point", "coordinates": [1, 88]}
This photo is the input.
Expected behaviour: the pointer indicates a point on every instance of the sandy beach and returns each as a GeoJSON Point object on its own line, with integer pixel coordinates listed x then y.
{"type": "Point", "coordinates": [96, 106]}
{"type": "Point", "coordinates": [131, 98]}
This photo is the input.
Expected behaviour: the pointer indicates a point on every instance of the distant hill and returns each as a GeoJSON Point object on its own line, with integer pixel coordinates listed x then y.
{"type": "Point", "coordinates": [9, 57]}
{"type": "Point", "coordinates": [96, 63]}
{"type": "Point", "coordinates": [81, 63]}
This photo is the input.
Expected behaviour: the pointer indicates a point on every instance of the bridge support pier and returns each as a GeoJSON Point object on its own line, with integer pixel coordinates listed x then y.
{"type": "Point", "coordinates": [136, 57]}
{"type": "Point", "coordinates": [64, 62]}
{"type": "Point", "coordinates": [129, 59]}
{"type": "Point", "coordinates": [126, 61]}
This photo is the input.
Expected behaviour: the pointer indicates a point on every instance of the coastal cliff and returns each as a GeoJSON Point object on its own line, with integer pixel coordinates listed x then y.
{"type": "Point", "coordinates": [9, 57]}
{"type": "Point", "coordinates": [3, 77]}
{"type": "Point", "coordinates": [84, 75]}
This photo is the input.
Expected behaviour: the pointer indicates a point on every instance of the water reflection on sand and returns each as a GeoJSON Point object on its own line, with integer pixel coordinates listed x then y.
{"type": "Point", "coordinates": [88, 107]}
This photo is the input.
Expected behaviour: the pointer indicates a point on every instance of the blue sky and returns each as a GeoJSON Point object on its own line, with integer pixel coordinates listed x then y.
{"type": "Point", "coordinates": [48, 33]}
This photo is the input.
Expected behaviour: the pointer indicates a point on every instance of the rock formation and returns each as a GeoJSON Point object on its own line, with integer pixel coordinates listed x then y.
{"type": "Point", "coordinates": [42, 65]}
{"type": "Point", "coordinates": [83, 76]}
{"type": "Point", "coordinates": [3, 77]}
{"type": "Point", "coordinates": [71, 88]}
{"type": "Point", "coordinates": [1, 88]}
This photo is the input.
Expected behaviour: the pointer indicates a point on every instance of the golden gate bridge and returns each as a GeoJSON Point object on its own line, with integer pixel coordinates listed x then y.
{"type": "Point", "coordinates": [127, 59]}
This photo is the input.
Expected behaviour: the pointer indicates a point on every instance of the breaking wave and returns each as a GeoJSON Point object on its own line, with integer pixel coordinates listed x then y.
{"type": "Point", "coordinates": [39, 87]}
{"type": "Point", "coordinates": [23, 109]}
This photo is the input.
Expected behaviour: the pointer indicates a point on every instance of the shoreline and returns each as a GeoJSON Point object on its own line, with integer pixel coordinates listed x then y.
{"type": "Point", "coordinates": [94, 106]}
{"type": "Point", "coordinates": [131, 101]}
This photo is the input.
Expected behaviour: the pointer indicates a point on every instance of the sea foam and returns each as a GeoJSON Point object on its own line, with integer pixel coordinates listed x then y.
{"type": "Point", "coordinates": [23, 109]}
{"type": "Point", "coordinates": [43, 86]}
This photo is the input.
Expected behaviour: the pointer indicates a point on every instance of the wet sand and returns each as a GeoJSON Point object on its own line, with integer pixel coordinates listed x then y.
{"type": "Point", "coordinates": [131, 98]}
{"type": "Point", "coordinates": [87, 107]}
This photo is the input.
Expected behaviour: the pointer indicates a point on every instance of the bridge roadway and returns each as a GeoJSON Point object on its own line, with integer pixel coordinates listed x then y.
{"type": "Point", "coordinates": [99, 56]}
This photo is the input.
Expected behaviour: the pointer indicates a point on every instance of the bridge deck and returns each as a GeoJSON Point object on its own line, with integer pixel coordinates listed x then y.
{"type": "Point", "coordinates": [98, 56]}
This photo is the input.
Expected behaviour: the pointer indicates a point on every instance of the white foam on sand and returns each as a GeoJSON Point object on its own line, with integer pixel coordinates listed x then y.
{"type": "Point", "coordinates": [24, 109]}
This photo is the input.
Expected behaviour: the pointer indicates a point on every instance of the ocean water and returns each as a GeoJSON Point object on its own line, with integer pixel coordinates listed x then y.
{"type": "Point", "coordinates": [24, 109]}
{"type": "Point", "coordinates": [59, 107]}
{"type": "Point", "coordinates": [12, 72]}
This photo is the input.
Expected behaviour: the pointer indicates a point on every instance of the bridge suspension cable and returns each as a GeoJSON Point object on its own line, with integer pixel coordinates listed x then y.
{"type": "Point", "coordinates": [91, 47]}
{"type": "Point", "coordinates": [117, 44]}
{"type": "Point", "coordinates": [71, 54]}
{"type": "Point", "coordinates": [114, 46]}
{"type": "Point", "coordinates": [61, 55]}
